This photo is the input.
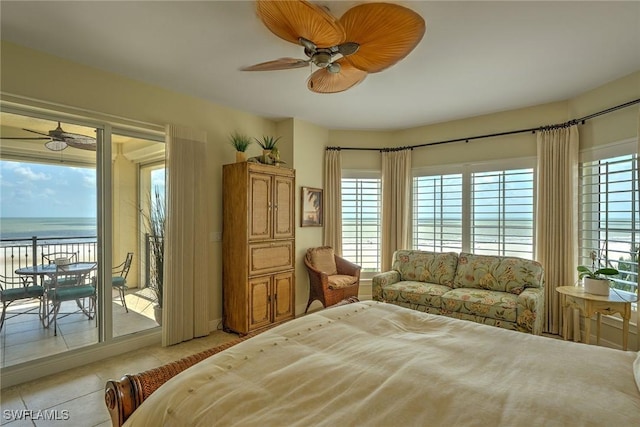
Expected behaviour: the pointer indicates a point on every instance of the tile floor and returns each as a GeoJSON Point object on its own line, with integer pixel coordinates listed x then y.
{"type": "Point", "coordinates": [23, 338]}
{"type": "Point", "coordinates": [76, 397]}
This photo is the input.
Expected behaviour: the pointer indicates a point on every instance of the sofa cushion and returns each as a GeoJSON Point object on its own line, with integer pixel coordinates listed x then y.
{"type": "Point", "coordinates": [506, 274]}
{"type": "Point", "coordinates": [479, 302]}
{"type": "Point", "coordinates": [422, 266]}
{"type": "Point", "coordinates": [420, 293]}
{"type": "Point", "coordinates": [323, 259]}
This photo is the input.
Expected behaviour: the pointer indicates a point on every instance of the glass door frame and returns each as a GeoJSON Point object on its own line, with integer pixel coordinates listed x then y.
{"type": "Point", "coordinates": [106, 345]}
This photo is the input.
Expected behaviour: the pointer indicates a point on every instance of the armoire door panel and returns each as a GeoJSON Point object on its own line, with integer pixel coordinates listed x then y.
{"type": "Point", "coordinates": [259, 302]}
{"type": "Point", "coordinates": [283, 284]}
{"type": "Point", "coordinates": [284, 193]}
{"type": "Point", "coordinates": [260, 206]}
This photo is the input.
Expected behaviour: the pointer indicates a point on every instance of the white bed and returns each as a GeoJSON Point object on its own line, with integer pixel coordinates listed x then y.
{"type": "Point", "coordinates": [372, 363]}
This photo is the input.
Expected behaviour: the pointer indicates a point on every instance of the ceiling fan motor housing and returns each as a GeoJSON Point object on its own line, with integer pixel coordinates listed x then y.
{"type": "Point", "coordinates": [322, 57]}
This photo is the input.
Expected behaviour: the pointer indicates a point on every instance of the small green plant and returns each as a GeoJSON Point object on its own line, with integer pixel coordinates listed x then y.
{"type": "Point", "coordinates": [240, 142]}
{"type": "Point", "coordinates": [596, 274]}
{"type": "Point", "coordinates": [268, 142]}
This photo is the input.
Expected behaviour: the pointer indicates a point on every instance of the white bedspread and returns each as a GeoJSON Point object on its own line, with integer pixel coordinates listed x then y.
{"type": "Point", "coordinates": [372, 363]}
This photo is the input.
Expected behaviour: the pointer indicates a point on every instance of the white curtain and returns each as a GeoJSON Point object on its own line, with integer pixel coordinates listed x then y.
{"type": "Point", "coordinates": [396, 203]}
{"type": "Point", "coordinates": [333, 200]}
{"type": "Point", "coordinates": [557, 220]}
{"type": "Point", "coordinates": [186, 285]}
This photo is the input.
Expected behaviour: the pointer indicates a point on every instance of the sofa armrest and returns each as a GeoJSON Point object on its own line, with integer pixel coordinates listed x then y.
{"type": "Point", "coordinates": [381, 280]}
{"type": "Point", "coordinates": [530, 310]}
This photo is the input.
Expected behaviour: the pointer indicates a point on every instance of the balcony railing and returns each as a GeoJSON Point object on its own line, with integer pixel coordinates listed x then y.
{"type": "Point", "coordinates": [18, 253]}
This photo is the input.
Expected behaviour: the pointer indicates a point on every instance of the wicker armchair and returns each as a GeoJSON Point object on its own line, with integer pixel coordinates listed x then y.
{"type": "Point", "coordinates": [331, 278]}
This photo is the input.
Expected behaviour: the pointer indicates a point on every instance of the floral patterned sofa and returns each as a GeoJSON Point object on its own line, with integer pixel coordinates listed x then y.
{"type": "Point", "coordinates": [506, 292]}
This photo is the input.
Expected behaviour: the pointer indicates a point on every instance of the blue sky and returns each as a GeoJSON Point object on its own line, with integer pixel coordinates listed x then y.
{"type": "Point", "coordinates": [32, 190]}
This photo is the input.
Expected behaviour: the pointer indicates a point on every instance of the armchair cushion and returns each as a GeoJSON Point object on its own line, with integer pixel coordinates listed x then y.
{"type": "Point", "coordinates": [338, 281]}
{"type": "Point", "coordinates": [323, 259]}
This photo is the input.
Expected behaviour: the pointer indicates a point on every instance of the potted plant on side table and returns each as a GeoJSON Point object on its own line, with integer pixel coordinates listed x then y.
{"type": "Point", "coordinates": [594, 280]}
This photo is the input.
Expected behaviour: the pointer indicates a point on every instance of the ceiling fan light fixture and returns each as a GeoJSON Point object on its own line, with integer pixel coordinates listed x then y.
{"type": "Point", "coordinates": [56, 145]}
{"type": "Point", "coordinates": [334, 67]}
{"type": "Point", "coordinates": [325, 81]}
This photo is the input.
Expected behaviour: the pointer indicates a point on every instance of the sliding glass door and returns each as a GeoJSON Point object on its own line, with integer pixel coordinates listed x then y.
{"type": "Point", "coordinates": [67, 200]}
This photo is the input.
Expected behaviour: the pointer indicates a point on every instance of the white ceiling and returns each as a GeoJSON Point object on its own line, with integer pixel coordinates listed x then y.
{"type": "Point", "coordinates": [476, 57]}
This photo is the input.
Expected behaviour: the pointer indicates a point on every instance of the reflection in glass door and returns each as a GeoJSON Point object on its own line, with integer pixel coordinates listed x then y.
{"type": "Point", "coordinates": [137, 160]}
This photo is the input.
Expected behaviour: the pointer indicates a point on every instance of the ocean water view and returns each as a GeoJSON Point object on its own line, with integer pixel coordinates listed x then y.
{"type": "Point", "coordinates": [15, 229]}
{"type": "Point", "coordinates": [62, 234]}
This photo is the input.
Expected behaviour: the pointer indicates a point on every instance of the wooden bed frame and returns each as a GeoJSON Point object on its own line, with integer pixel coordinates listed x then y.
{"type": "Point", "coordinates": [126, 395]}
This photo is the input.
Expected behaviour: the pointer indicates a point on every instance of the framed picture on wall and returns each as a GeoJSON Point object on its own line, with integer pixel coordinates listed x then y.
{"type": "Point", "coordinates": [311, 207]}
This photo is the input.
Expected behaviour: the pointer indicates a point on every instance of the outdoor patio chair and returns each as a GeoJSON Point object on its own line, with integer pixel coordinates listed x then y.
{"type": "Point", "coordinates": [119, 279]}
{"type": "Point", "coordinates": [66, 286]}
{"type": "Point", "coordinates": [14, 289]}
{"type": "Point", "coordinates": [50, 258]}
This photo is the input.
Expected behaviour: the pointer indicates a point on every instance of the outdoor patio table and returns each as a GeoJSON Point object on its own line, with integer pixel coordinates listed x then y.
{"type": "Point", "coordinates": [79, 269]}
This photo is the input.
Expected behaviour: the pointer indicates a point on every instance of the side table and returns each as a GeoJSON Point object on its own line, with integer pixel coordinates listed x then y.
{"type": "Point", "coordinates": [588, 304]}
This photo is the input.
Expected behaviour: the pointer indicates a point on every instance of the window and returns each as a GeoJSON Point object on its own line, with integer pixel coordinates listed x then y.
{"type": "Point", "coordinates": [502, 213]}
{"type": "Point", "coordinates": [437, 213]}
{"type": "Point", "coordinates": [484, 209]}
{"type": "Point", "coordinates": [361, 221]}
{"type": "Point", "coordinates": [610, 217]}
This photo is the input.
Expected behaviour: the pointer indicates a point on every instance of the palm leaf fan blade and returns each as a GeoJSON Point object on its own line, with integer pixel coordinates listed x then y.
{"type": "Point", "coordinates": [385, 32]}
{"type": "Point", "coordinates": [291, 20]}
{"type": "Point", "coordinates": [278, 64]}
{"type": "Point", "coordinates": [324, 81]}
{"type": "Point", "coordinates": [89, 146]}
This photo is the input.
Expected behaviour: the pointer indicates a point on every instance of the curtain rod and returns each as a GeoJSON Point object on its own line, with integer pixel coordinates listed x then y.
{"type": "Point", "coordinates": [581, 120]}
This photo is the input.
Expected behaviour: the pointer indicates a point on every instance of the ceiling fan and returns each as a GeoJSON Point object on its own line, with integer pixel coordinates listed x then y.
{"type": "Point", "coordinates": [368, 38]}
{"type": "Point", "coordinates": [59, 139]}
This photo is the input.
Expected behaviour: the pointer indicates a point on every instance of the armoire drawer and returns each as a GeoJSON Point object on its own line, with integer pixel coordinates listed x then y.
{"type": "Point", "coordinates": [270, 257]}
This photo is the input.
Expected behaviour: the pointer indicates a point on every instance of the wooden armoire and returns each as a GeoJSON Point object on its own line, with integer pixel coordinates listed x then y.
{"type": "Point", "coordinates": [258, 246]}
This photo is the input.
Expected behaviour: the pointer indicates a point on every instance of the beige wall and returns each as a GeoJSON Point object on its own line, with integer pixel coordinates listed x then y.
{"type": "Point", "coordinates": [125, 213]}
{"type": "Point", "coordinates": [36, 75]}
{"type": "Point", "coordinates": [31, 74]}
{"type": "Point", "coordinates": [310, 141]}
{"type": "Point", "coordinates": [611, 127]}
{"type": "Point", "coordinates": [608, 128]}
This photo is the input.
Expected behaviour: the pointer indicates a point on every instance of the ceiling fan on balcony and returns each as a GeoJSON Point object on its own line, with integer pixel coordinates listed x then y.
{"type": "Point", "coordinates": [368, 38]}
{"type": "Point", "coordinates": [58, 139]}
